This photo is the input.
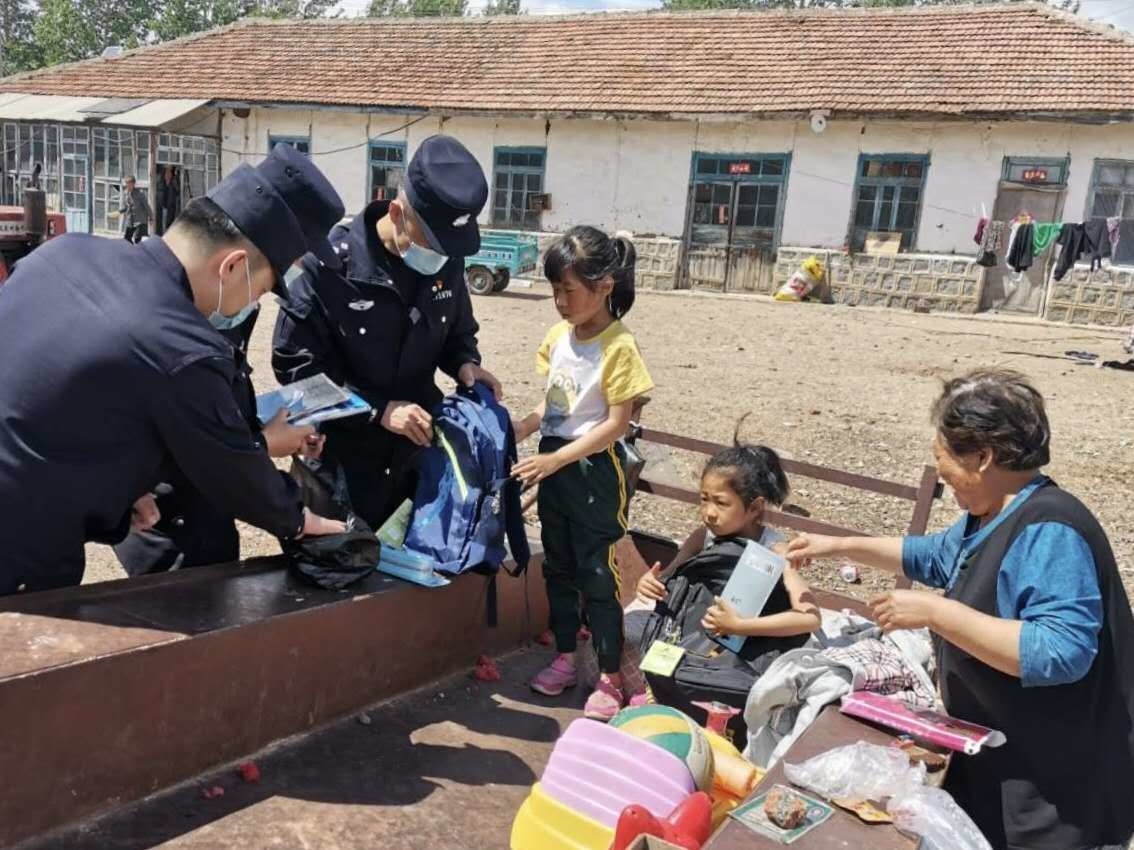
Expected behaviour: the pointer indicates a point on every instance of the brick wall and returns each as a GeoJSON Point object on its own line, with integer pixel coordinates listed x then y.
{"type": "Point", "coordinates": [940, 283]}
{"type": "Point", "coordinates": [1103, 297]}
{"type": "Point", "coordinates": [659, 261]}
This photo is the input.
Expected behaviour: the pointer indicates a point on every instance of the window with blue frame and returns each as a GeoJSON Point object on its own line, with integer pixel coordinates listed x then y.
{"type": "Point", "coordinates": [888, 195]}
{"type": "Point", "coordinates": [300, 143]}
{"type": "Point", "coordinates": [517, 178]}
{"type": "Point", "coordinates": [1112, 197]}
{"type": "Point", "coordinates": [387, 168]}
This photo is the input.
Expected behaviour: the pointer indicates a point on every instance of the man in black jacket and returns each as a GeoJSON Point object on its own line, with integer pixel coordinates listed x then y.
{"type": "Point", "coordinates": [115, 372]}
{"type": "Point", "coordinates": [397, 310]}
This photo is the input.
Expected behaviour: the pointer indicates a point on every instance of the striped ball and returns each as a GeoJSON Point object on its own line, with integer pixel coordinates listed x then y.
{"type": "Point", "coordinates": [674, 731]}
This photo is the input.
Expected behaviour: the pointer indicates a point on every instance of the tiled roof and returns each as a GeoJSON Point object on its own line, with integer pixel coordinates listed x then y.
{"type": "Point", "coordinates": [940, 60]}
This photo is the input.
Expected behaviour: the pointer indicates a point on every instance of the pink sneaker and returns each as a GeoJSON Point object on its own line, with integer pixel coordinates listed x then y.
{"type": "Point", "coordinates": [638, 700]}
{"type": "Point", "coordinates": [604, 702]}
{"type": "Point", "coordinates": [555, 678]}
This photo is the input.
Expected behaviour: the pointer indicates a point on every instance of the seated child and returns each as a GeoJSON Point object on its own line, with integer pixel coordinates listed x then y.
{"type": "Point", "coordinates": [737, 485]}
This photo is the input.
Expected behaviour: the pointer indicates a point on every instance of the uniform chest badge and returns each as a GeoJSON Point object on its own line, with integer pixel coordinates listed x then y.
{"type": "Point", "coordinates": [440, 293]}
{"type": "Point", "coordinates": [360, 306]}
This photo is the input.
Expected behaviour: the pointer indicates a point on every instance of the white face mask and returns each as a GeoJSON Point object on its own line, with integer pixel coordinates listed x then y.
{"type": "Point", "coordinates": [421, 260]}
{"type": "Point", "coordinates": [226, 323]}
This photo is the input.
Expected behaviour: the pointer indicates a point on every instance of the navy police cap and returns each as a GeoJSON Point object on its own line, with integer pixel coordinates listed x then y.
{"type": "Point", "coordinates": [445, 185]}
{"type": "Point", "coordinates": [285, 206]}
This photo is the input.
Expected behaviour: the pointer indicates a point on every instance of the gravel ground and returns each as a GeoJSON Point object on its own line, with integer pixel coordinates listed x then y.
{"type": "Point", "coordinates": [840, 386]}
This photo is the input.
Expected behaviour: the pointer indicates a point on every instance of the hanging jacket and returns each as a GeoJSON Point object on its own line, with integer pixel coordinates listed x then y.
{"type": "Point", "coordinates": [1021, 253]}
{"type": "Point", "coordinates": [1073, 239]}
{"type": "Point", "coordinates": [1097, 241]}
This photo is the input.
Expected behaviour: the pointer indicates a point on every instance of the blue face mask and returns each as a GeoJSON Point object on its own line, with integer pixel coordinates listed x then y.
{"type": "Point", "coordinates": [226, 323]}
{"type": "Point", "coordinates": [422, 260]}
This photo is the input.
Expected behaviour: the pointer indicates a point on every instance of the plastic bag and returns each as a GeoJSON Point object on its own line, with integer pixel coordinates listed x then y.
{"type": "Point", "coordinates": [335, 561]}
{"type": "Point", "coordinates": [935, 816]}
{"type": "Point", "coordinates": [870, 772]}
{"type": "Point", "coordinates": [858, 772]}
{"type": "Point", "coordinates": [803, 280]}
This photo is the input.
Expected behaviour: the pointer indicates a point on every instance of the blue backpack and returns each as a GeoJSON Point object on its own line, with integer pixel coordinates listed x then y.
{"type": "Point", "coordinates": [466, 500]}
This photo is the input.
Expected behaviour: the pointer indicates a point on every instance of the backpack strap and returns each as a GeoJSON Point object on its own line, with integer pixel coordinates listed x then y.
{"type": "Point", "coordinates": [513, 511]}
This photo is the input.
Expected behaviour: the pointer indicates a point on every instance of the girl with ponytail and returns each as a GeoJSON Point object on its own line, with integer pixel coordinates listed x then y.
{"type": "Point", "coordinates": [594, 373]}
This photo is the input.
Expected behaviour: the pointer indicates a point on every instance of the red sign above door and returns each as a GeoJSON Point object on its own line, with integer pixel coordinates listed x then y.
{"type": "Point", "coordinates": [740, 168]}
{"type": "Point", "coordinates": [1035, 175]}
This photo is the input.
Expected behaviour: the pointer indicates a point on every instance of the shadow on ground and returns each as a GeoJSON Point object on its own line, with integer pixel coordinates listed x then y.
{"type": "Point", "coordinates": [445, 767]}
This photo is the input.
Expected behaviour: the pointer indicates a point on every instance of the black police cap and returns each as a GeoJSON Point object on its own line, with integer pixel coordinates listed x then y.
{"type": "Point", "coordinates": [285, 206]}
{"type": "Point", "coordinates": [445, 185]}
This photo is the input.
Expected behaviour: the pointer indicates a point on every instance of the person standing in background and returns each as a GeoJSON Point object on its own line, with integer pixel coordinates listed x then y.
{"type": "Point", "coordinates": [135, 211]}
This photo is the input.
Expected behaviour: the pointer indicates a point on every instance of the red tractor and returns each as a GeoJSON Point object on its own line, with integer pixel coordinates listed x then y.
{"type": "Point", "coordinates": [22, 229]}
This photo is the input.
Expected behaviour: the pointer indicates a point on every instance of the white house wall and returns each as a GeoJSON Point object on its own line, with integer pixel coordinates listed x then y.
{"type": "Point", "coordinates": [634, 175]}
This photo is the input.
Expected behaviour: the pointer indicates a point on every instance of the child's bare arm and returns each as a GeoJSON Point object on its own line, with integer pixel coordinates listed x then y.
{"type": "Point", "coordinates": [533, 469]}
{"type": "Point", "coordinates": [802, 599]}
{"type": "Point", "coordinates": [527, 426]}
{"type": "Point", "coordinates": [802, 619]}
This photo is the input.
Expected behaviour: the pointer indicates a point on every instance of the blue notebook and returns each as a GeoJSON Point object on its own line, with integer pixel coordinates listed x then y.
{"type": "Point", "coordinates": [757, 573]}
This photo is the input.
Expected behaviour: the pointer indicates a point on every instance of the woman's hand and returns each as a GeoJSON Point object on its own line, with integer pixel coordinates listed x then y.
{"type": "Point", "coordinates": [650, 587]}
{"type": "Point", "coordinates": [532, 470]}
{"type": "Point", "coordinates": [905, 609]}
{"type": "Point", "coordinates": [805, 548]}
{"type": "Point", "coordinates": [721, 618]}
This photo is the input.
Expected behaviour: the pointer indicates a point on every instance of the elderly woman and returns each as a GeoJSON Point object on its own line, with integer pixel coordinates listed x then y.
{"type": "Point", "coordinates": [1034, 631]}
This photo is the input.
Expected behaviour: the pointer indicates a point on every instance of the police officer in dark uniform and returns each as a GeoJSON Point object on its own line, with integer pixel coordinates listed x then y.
{"type": "Point", "coordinates": [114, 372]}
{"type": "Point", "coordinates": [396, 311]}
{"type": "Point", "coordinates": [193, 531]}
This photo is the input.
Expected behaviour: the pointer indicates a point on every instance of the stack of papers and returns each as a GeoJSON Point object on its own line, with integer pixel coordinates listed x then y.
{"type": "Point", "coordinates": [310, 401]}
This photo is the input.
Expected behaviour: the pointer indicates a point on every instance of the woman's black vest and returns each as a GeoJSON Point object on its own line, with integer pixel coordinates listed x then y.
{"type": "Point", "coordinates": [1065, 778]}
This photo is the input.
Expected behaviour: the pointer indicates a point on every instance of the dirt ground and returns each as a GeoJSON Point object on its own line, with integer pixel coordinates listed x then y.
{"type": "Point", "coordinates": [835, 385]}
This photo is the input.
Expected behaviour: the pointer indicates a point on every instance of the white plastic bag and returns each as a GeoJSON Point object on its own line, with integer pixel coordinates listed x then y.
{"type": "Point", "coordinates": [935, 816]}
{"type": "Point", "coordinates": [870, 772]}
{"type": "Point", "coordinates": [859, 771]}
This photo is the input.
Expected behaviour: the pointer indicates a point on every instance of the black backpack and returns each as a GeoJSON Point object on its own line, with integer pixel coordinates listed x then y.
{"type": "Point", "coordinates": [708, 672]}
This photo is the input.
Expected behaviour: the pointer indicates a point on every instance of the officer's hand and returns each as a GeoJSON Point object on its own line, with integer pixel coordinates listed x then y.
{"type": "Point", "coordinates": [410, 421]}
{"type": "Point", "coordinates": [313, 446]}
{"type": "Point", "coordinates": [282, 439]}
{"type": "Point", "coordinates": [319, 526]}
{"type": "Point", "coordinates": [470, 373]}
{"type": "Point", "coordinates": [145, 514]}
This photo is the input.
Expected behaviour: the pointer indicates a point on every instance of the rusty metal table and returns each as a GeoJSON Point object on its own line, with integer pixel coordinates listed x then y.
{"type": "Point", "coordinates": [842, 830]}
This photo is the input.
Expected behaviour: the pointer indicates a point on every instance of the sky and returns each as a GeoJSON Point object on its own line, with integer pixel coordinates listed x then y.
{"type": "Point", "coordinates": [1120, 13]}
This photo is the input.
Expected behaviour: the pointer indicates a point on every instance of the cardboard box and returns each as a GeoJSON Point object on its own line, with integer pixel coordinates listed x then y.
{"type": "Point", "coordinates": [883, 243]}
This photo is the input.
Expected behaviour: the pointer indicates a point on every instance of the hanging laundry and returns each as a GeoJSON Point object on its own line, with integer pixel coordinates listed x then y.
{"type": "Point", "coordinates": [1043, 236]}
{"type": "Point", "coordinates": [1098, 242]}
{"type": "Point", "coordinates": [991, 243]}
{"type": "Point", "coordinates": [1073, 238]}
{"type": "Point", "coordinates": [1021, 253]}
{"type": "Point", "coordinates": [981, 225]}
{"type": "Point", "coordinates": [1112, 229]}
